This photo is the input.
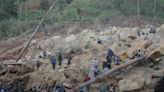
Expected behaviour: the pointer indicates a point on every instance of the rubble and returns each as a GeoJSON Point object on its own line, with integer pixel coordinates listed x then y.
{"type": "Point", "coordinates": [130, 84]}
{"type": "Point", "coordinates": [84, 47]}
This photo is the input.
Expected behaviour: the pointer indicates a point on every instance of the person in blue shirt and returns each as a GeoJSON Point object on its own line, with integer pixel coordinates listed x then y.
{"type": "Point", "coordinates": [53, 61]}
{"type": "Point", "coordinates": [60, 88]}
{"type": "Point", "coordinates": [110, 53]}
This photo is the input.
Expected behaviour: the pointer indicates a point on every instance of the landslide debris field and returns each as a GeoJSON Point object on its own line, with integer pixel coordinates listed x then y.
{"type": "Point", "coordinates": [141, 77]}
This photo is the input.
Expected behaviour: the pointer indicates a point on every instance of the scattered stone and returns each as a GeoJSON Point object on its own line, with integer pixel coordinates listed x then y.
{"type": "Point", "coordinates": [130, 84]}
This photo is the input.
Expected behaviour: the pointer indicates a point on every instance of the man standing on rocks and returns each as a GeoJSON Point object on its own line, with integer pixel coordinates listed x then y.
{"type": "Point", "coordinates": [87, 78]}
{"type": "Point", "coordinates": [112, 88]}
{"type": "Point", "coordinates": [102, 88]}
{"type": "Point", "coordinates": [110, 53]}
{"type": "Point", "coordinates": [152, 30]}
{"type": "Point", "coordinates": [117, 60]}
{"type": "Point", "coordinates": [60, 58]}
{"type": "Point", "coordinates": [53, 61]}
{"type": "Point", "coordinates": [94, 68]}
{"type": "Point", "coordinates": [138, 32]}
{"type": "Point", "coordinates": [109, 61]}
{"type": "Point", "coordinates": [69, 58]}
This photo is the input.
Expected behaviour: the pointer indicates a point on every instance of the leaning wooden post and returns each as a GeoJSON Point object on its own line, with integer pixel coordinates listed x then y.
{"type": "Point", "coordinates": [36, 29]}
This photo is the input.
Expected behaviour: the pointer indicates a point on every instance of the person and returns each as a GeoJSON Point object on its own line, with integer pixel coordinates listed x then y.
{"type": "Point", "coordinates": [49, 54]}
{"type": "Point", "coordinates": [105, 65]}
{"type": "Point", "coordinates": [94, 63]}
{"type": "Point", "coordinates": [87, 78]}
{"type": "Point", "coordinates": [108, 58]}
{"type": "Point", "coordinates": [96, 71]}
{"type": "Point", "coordinates": [110, 53]}
{"type": "Point", "coordinates": [53, 61]}
{"type": "Point", "coordinates": [152, 30]}
{"type": "Point", "coordinates": [82, 89]}
{"type": "Point", "coordinates": [112, 88]}
{"type": "Point", "coordinates": [138, 32]}
{"type": "Point", "coordinates": [20, 86]}
{"type": "Point", "coordinates": [38, 64]}
{"type": "Point", "coordinates": [123, 58]}
{"type": "Point", "coordinates": [2, 89]}
{"type": "Point", "coordinates": [60, 58]}
{"type": "Point", "coordinates": [102, 88]}
{"type": "Point", "coordinates": [117, 60]}
{"type": "Point", "coordinates": [95, 67]}
{"type": "Point", "coordinates": [61, 88]}
{"type": "Point", "coordinates": [69, 58]}
{"type": "Point", "coordinates": [44, 53]}
{"type": "Point", "coordinates": [109, 61]}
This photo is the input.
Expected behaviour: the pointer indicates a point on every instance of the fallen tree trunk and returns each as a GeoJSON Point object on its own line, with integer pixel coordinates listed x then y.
{"type": "Point", "coordinates": [107, 73]}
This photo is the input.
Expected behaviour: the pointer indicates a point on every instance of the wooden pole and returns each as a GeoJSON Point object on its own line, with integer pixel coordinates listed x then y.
{"type": "Point", "coordinates": [36, 29]}
{"type": "Point", "coordinates": [108, 73]}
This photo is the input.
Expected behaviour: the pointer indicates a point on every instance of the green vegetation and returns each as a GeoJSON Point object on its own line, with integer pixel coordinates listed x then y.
{"type": "Point", "coordinates": [17, 16]}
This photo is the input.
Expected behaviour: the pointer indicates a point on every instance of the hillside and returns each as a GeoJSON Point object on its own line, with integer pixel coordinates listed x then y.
{"type": "Point", "coordinates": [81, 42]}
{"type": "Point", "coordinates": [21, 16]}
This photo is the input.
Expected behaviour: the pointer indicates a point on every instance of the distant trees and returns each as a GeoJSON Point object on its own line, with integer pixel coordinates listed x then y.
{"type": "Point", "coordinates": [8, 9]}
{"type": "Point", "coordinates": [44, 4]}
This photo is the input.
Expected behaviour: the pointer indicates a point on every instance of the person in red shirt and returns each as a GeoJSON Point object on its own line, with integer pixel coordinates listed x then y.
{"type": "Point", "coordinates": [87, 78]}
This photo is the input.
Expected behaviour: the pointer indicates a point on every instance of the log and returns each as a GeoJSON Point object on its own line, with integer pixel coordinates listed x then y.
{"type": "Point", "coordinates": [107, 73]}
{"type": "Point", "coordinates": [36, 29]}
{"type": "Point", "coordinates": [14, 63]}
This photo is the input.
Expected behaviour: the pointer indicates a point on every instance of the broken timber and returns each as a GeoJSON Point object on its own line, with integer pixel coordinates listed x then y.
{"type": "Point", "coordinates": [109, 72]}
{"type": "Point", "coordinates": [13, 63]}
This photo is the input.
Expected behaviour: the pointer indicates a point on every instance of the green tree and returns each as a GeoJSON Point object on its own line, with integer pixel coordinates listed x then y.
{"type": "Point", "coordinates": [8, 9]}
{"type": "Point", "coordinates": [44, 4]}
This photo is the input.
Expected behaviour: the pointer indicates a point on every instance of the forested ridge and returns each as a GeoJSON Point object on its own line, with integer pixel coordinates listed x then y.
{"type": "Point", "coordinates": [18, 16]}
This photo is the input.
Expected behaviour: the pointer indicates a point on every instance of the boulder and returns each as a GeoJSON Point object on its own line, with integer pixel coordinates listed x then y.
{"type": "Point", "coordinates": [160, 31]}
{"type": "Point", "coordinates": [157, 52]}
{"type": "Point", "coordinates": [71, 73]}
{"type": "Point", "coordinates": [130, 84]}
{"type": "Point", "coordinates": [158, 72]}
{"type": "Point", "coordinates": [154, 38]}
{"type": "Point", "coordinates": [128, 35]}
{"type": "Point", "coordinates": [161, 48]}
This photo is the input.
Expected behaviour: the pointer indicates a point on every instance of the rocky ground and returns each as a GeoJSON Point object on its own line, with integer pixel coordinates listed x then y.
{"type": "Point", "coordinates": [84, 45]}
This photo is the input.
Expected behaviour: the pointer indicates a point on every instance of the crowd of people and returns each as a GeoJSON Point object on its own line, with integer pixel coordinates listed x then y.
{"type": "Point", "coordinates": [95, 69]}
